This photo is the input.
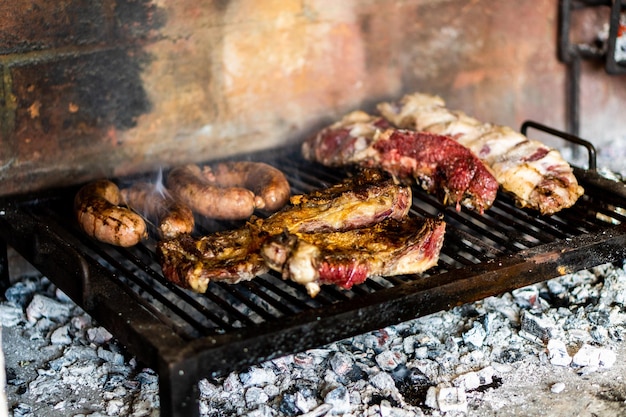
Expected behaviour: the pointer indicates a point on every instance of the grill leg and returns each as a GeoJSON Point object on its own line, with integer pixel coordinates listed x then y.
{"type": "Point", "coordinates": [178, 397]}
{"type": "Point", "coordinates": [5, 279]}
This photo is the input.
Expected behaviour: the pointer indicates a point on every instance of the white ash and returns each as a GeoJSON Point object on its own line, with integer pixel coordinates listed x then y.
{"type": "Point", "coordinates": [61, 363]}
{"type": "Point", "coordinates": [554, 344]}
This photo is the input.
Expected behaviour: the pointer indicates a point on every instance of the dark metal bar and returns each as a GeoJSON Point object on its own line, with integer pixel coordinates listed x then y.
{"type": "Point", "coordinates": [573, 138]}
{"type": "Point", "coordinates": [5, 278]}
{"type": "Point", "coordinates": [612, 65]}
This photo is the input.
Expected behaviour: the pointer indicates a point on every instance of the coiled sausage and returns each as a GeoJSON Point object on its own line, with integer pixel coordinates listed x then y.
{"type": "Point", "coordinates": [269, 185]}
{"type": "Point", "coordinates": [230, 190]}
{"type": "Point", "coordinates": [173, 218]}
{"type": "Point", "coordinates": [192, 188]}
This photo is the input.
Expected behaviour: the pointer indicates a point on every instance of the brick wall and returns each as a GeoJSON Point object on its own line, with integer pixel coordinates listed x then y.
{"type": "Point", "coordinates": [105, 88]}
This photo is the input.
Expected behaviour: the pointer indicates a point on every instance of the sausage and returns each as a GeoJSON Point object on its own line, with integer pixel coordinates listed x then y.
{"type": "Point", "coordinates": [269, 185]}
{"type": "Point", "coordinates": [173, 217]}
{"type": "Point", "coordinates": [100, 216]}
{"type": "Point", "coordinates": [192, 188]}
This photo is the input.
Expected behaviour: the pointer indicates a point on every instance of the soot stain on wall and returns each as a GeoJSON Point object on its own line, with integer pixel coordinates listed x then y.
{"type": "Point", "coordinates": [74, 88]}
{"type": "Point", "coordinates": [110, 86]}
{"type": "Point", "coordinates": [109, 89]}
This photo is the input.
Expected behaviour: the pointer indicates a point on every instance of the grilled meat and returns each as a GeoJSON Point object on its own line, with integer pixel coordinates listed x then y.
{"type": "Point", "coordinates": [438, 163]}
{"type": "Point", "coordinates": [537, 176]}
{"type": "Point", "coordinates": [391, 247]}
{"type": "Point", "coordinates": [97, 209]}
{"type": "Point", "coordinates": [190, 185]}
{"type": "Point", "coordinates": [233, 256]}
{"type": "Point", "coordinates": [269, 185]}
{"type": "Point", "coordinates": [347, 141]}
{"type": "Point", "coordinates": [361, 200]}
{"type": "Point", "coordinates": [173, 217]}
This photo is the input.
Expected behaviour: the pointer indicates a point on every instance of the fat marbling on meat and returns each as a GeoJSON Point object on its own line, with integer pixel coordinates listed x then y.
{"type": "Point", "coordinates": [440, 165]}
{"type": "Point", "coordinates": [537, 176]}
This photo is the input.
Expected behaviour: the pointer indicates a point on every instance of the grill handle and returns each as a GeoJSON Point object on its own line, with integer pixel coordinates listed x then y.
{"type": "Point", "coordinates": [591, 150]}
{"type": "Point", "coordinates": [590, 175]}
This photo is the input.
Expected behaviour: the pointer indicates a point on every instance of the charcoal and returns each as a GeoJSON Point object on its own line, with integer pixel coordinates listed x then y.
{"type": "Point", "coordinates": [341, 363]}
{"type": "Point", "coordinates": [599, 334]}
{"type": "Point", "coordinates": [590, 356]}
{"type": "Point", "coordinates": [557, 388]}
{"type": "Point", "coordinates": [447, 363]}
{"type": "Point", "coordinates": [339, 398]}
{"type": "Point", "coordinates": [11, 315]}
{"type": "Point", "coordinates": [469, 381]}
{"type": "Point", "coordinates": [389, 360]}
{"type": "Point", "coordinates": [112, 357]}
{"type": "Point", "coordinates": [557, 352]}
{"type": "Point", "coordinates": [383, 381]}
{"type": "Point", "coordinates": [116, 407]}
{"type": "Point", "coordinates": [42, 306]}
{"type": "Point", "coordinates": [61, 336]}
{"type": "Point", "coordinates": [614, 288]}
{"type": "Point", "coordinates": [421, 352]}
{"type": "Point", "coordinates": [22, 410]}
{"type": "Point", "coordinates": [255, 396]}
{"type": "Point", "coordinates": [528, 298]}
{"type": "Point", "coordinates": [537, 328]}
{"type": "Point", "coordinates": [81, 322]}
{"type": "Point", "coordinates": [287, 405]}
{"type": "Point", "coordinates": [305, 401]}
{"type": "Point", "coordinates": [476, 335]}
{"type": "Point", "coordinates": [257, 377]}
{"type": "Point", "coordinates": [22, 292]}
{"type": "Point", "coordinates": [431, 398]}
{"type": "Point", "coordinates": [98, 335]}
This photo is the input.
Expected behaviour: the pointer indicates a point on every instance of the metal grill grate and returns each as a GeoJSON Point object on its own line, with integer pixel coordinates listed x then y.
{"type": "Point", "coordinates": [187, 336]}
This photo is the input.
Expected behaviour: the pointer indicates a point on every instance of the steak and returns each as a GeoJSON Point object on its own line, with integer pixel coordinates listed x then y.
{"type": "Point", "coordinates": [535, 175]}
{"type": "Point", "coordinates": [392, 247]}
{"type": "Point", "coordinates": [230, 256]}
{"type": "Point", "coordinates": [235, 255]}
{"type": "Point", "coordinates": [438, 163]}
{"type": "Point", "coordinates": [363, 199]}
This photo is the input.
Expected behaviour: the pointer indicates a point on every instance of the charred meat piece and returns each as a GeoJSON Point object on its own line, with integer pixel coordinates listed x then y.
{"type": "Point", "coordinates": [537, 176]}
{"type": "Point", "coordinates": [438, 163]}
{"type": "Point", "coordinates": [230, 256]}
{"type": "Point", "coordinates": [391, 247]}
{"type": "Point", "coordinates": [361, 200]}
{"type": "Point", "coordinates": [172, 217]}
{"type": "Point", "coordinates": [233, 256]}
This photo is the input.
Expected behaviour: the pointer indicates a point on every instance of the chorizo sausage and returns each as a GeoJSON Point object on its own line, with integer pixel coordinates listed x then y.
{"type": "Point", "coordinates": [192, 188]}
{"type": "Point", "coordinates": [269, 185]}
{"type": "Point", "coordinates": [173, 218]}
{"type": "Point", "coordinates": [100, 216]}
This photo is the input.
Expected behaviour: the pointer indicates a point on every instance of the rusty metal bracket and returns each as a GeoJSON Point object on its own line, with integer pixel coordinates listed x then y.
{"type": "Point", "coordinates": [572, 54]}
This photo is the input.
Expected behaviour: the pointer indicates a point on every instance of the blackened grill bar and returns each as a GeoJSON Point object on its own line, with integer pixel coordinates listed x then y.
{"type": "Point", "coordinates": [186, 337]}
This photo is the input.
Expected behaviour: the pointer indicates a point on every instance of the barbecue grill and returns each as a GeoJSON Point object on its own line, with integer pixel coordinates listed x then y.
{"type": "Point", "coordinates": [186, 336]}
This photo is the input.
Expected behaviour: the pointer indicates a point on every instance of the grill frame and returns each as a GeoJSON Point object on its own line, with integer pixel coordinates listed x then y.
{"type": "Point", "coordinates": [39, 226]}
